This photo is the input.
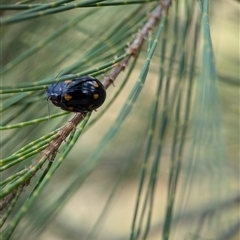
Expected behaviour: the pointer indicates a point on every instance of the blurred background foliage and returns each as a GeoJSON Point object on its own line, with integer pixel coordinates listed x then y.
{"type": "Point", "coordinates": [169, 168]}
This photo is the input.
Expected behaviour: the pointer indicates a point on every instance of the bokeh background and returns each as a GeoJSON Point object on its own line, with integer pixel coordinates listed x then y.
{"type": "Point", "coordinates": [93, 194]}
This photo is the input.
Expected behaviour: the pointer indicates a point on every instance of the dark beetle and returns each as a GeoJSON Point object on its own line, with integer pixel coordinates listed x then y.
{"type": "Point", "coordinates": [79, 94]}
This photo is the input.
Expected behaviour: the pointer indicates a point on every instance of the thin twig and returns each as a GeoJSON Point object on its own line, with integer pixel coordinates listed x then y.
{"type": "Point", "coordinates": [132, 51]}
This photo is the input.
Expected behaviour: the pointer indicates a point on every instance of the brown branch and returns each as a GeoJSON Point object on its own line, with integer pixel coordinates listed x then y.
{"type": "Point", "coordinates": [109, 79]}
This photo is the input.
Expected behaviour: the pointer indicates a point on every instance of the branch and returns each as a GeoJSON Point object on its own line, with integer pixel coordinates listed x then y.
{"type": "Point", "coordinates": [132, 51]}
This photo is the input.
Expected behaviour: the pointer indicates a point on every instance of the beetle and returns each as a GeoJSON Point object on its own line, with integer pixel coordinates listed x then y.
{"type": "Point", "coordinates": [79, 94]}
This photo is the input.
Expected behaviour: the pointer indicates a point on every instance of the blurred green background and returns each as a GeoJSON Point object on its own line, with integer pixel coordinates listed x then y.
{"type": "Point", "coordinates": [93, 194]}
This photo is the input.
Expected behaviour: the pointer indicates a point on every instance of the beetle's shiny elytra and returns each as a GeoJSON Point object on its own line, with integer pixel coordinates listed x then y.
{"type": "Point", "coordinates": [79, 94]}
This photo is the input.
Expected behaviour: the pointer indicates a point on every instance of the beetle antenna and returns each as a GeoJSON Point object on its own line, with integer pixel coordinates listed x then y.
{"type": "Point", "coordinates": [48, 109]}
